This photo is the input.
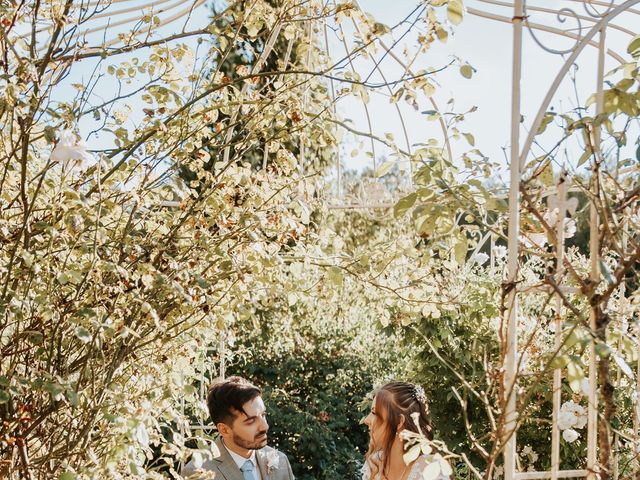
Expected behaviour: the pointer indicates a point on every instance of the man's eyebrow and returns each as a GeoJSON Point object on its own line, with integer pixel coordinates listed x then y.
{"type": "Point", "coordinates": [249, 418]}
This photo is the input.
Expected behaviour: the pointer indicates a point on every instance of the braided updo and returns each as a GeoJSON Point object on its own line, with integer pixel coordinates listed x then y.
{"type": "Point", "coordinates": [398, 400]}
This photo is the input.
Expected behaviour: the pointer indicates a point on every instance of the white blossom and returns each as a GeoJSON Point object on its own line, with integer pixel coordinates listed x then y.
{"type": "Point", "coordinates": [70, 151]}
{"type": "Point", "coordinates": [566, 420]}
{"type": "Point", "coordinates": [538, 239]}
{"type": "Point", "coordinates": [480, 258]}
{"type": "Point", "coordinates": [499, 252]}
{"type": "Point", "coordinates": [570, 435]}
{"type": "Point", "coordinates": [572, 415]}
{"type": "Point", "coordinates": [272, 458]}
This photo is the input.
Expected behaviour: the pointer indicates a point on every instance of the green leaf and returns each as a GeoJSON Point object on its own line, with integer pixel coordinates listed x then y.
{"type": "Point", "coordinates": [545, 173]}
{"type": "Point", "coordinates": [55, 389]}
{"type": "Point", "coordinates": [606, 273]}
{"type": "Point", "coordinates": [385, 168]}
{"type": "Point", "coordinates": [634, 47]}
{"type": "Point", "coordinates": [470, 138]}
{"type": "Point", "coordinates": [560, 361]}
{"type": "Point", "coordinates": [455, 11]}
{"type": "Point", "coordinates": [404, 204]}
{"type": "Point", "coordinates": [460, 250]}
{"type": "Point", "coordinates": [35, 337]}
{"type": "Point", "coordinates": [638, 153]}
{"type": "Point", "coordinates": [73, 398]}
{"type": "Point", "coordinates": [67, 476]}
{"type": "Point", "coordinates": [624, 366]}
{"type": "Point", "coordinates": [603, 350]}
{"type": "Point", "coordinates": [335, 276]}
{"type": "Point", "coordinates": [584, 157]}
{"type": "Point", "coordinates": [83, 334]}
{"type": "Point", "coordinates": [575, 375]}
{"type": "Point", "coordinates": [466, 70]}
{"type": "Point", "coordinates": [4, 397]}
{"type": "Point", "coordinates": [546, 120]}
{"type": "Point", "coordinates": [62, 278]}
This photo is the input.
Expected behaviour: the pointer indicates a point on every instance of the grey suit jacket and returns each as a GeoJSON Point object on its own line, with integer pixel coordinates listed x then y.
{"type": "Point", "coordinates": [224, 468]}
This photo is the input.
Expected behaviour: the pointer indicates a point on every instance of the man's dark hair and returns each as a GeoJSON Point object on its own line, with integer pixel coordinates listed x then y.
{"type": "Point", "coordinates": [226, 398]}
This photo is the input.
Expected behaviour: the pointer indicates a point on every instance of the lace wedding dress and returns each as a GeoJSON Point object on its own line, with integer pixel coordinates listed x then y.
{"type": "Point", "coordinates": [415, 474]}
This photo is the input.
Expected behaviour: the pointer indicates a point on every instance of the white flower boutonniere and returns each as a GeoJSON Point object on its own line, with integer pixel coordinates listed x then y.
{"type": "Point", "coordinates": [272, 460]}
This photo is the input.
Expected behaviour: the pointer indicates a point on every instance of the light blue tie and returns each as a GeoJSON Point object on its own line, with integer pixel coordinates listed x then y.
{"type": "Point", "coordinates": [247, 470]}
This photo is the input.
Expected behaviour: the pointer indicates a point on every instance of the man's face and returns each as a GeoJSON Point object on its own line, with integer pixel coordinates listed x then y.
{"type": "Point", "coordinates": [249, 432]}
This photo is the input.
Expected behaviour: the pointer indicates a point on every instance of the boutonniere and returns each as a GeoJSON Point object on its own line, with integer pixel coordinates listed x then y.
{"type": "Point", "coordinates": [272, 460]}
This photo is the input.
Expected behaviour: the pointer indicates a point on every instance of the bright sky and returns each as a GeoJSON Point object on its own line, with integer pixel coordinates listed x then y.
{"type": "Point", "coordinates": [487, 46]}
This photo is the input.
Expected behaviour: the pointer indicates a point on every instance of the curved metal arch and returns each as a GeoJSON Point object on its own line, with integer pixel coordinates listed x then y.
{"type": "Point", "coordinates": [602, 23]}
{"type": "Point", "coordinates": [553, 11]}
{"type": "Point", "coordinates": [545, 28]}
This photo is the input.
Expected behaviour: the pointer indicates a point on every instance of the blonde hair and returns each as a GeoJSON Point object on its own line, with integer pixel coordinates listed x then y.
{"type": "Point", "coordinates": [398, 400]}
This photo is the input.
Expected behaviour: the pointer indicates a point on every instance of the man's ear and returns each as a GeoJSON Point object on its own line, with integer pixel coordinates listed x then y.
{"type": "Point", "coordinates": [401, 423]}
{"type": "Point", "coordinates": [223, 429]}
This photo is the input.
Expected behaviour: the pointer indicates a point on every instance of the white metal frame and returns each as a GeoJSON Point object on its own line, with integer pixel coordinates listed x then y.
{"type": "Point", "coordinates": [517, 161]}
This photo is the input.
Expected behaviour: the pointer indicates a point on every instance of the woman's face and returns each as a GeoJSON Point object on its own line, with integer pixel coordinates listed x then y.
{"type": "Point", "coordinates": [376, 421]}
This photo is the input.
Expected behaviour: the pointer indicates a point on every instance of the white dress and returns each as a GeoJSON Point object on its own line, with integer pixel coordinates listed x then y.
{"type": "Point", "coordinates": [422, 462]}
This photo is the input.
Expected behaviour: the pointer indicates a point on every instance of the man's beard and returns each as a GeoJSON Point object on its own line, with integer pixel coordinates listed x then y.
{"type": "Point", "coordinates": [260, 441]}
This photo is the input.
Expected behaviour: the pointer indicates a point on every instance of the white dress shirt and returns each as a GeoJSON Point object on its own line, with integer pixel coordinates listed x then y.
{"type": "Point", "coordinates": [239, 459]}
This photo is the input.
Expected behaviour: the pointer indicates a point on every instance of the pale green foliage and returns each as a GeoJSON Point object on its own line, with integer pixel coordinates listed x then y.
{"type": "Point", "coordinates": [115, 276]}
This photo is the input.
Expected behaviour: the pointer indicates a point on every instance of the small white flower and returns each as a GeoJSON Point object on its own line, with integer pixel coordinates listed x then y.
{"type": "Point", "coordinates": [572, 415]}
{"type": "Point", "coordinates": [566, 420]}
{"type": "Point", "coordinates": [272, 458]}
{"type": "Point", "coordinates": [570, 435]}
{"type": "Point", "coordinates": [581, 415]}
{"type": "Point", "coordinates": [535, 239]}
{"type": "Point", "coordinates": [569, 227]}
{"type": "Point", "coordinates": [551, 217]}
{"type": "Point", "coordinates": [480, 258]}
{"type": "Point", "coordinates": [499, 252]}
{"type": "Point", "coordinates": [70, 151]}
{"type": "Point", "coordinates": [498, 472]}
{"type": "Point", "coordinates": [527, 450]}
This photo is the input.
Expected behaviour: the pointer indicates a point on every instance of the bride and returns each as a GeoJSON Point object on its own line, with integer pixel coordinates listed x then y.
{"type": "Point", "coordinates": [398, 407]}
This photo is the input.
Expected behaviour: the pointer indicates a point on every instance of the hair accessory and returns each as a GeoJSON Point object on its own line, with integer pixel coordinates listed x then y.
{"type": "Point", "coordinates": [419, 395]}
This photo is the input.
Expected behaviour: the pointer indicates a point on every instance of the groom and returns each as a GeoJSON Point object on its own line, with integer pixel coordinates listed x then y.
{"type": "Point", "coordinates": [239, 414]}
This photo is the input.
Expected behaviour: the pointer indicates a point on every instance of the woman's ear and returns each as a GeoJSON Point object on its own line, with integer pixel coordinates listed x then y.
{"type": "Point", "coordinates": [401, 423]}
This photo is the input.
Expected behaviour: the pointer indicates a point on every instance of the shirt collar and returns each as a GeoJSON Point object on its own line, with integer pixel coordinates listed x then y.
{"type": "Point", "coordinates": [239, 459]}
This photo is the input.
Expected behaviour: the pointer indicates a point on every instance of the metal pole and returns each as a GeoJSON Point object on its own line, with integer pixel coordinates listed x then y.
{"type": "Point", "coordinates": [513, 244]}
{"type": "Point", "coordinates": [557, 373]}
{"type": "Point", "coordinates": [594, 249]}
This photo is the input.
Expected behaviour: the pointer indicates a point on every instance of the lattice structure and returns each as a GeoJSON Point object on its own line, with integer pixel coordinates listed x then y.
{"type": "Point", "coordinates": [601, 16]}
